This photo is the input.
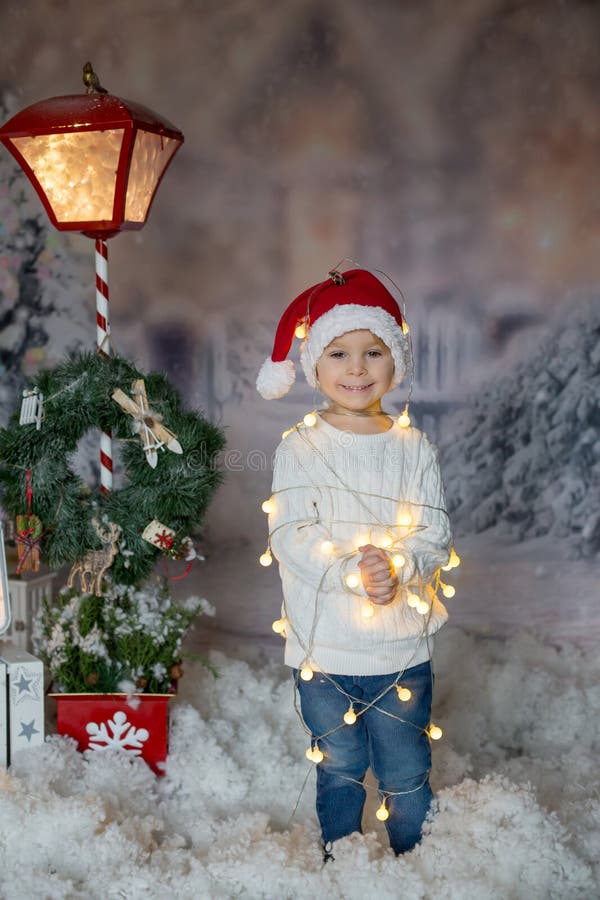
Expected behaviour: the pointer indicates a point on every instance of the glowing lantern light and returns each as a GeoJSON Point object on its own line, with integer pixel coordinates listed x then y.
{"type": "Point", "coordinates": [404, 419]}
{"type": "Point", "coordinates": [367, 611]}
{"type": "Point", "coordinates": [306, 673]}
{"type": "Point", "coordinates": [95, 160]}
{"type": "Point", "coordinates": [404, 518]}
{"type": "Point", "coordinates": [448, 591]}
{"type": "Point", "coordinates": [268, 506]}
{"type": "Point", "coordinates": [350, 716]}
{"type": "Point", "coordinates": [265, 559]}
{"type": "Point", "coordinates": [353, 580]}
{"type": "Point", "coordinates": [317, 754]}
{"type": "Point", "coordinates": [435, 732]}
{"type": "Point", "coordinates": [413, 600]}
{"type": "Point", "coordinates": [327, 548]}
{"type": "Point", "coordinates": [278, 626]}
{"type": "Point", "coordinates": [422, 607]}
{"type": "Point", "coordinates": [404, 693]}
{"type": "Point", "coordinates": [310, 419]}
{"type": "Point", "coordinates": [382, 813]}
{"type": "Point", "coordinates": [386, 541]}
{"type": "Point", "coordinates": [300, 331]}
{"type": "Point", "coordinates": [398, 561]}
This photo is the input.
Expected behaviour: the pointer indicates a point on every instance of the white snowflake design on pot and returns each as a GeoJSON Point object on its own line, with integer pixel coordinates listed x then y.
{"type": "Point", "coordinates": [124, 736]}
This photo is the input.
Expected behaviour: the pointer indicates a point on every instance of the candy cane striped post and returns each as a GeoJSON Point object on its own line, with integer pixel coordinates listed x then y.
{"type": "Point", "coordinates": [103, 343]}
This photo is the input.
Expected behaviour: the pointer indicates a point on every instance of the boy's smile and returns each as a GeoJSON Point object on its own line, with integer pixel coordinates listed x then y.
{"type": "Point", "coordinates": [355, 370]}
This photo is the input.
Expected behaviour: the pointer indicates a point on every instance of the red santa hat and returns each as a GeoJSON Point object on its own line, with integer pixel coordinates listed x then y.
{"type": "Point", "coordinates": [346, 301]}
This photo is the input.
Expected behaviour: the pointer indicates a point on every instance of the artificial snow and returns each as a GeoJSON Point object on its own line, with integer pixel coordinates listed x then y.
{"type": "Point", "coordinates": [516, 779]}
{"type": "Point", "coordinates": [524, 455]}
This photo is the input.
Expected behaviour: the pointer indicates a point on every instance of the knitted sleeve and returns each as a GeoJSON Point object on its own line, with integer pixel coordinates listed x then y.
{"type": "Point", "coordinates": [299, 538]}
{"type": "Point", "coordinates": [428, 542]}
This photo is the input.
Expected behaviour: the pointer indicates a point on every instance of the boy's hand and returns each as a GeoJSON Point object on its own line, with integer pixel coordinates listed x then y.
{"type": "Point", "coordinates": [378, 577]}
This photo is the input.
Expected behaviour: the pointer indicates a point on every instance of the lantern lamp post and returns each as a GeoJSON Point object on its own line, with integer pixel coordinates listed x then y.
{"type": "Point", "coordinates": [96, 161]}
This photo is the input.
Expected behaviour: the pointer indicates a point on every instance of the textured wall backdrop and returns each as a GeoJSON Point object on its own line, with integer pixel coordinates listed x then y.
{"type": "Point", "coordinates": [453, 145]}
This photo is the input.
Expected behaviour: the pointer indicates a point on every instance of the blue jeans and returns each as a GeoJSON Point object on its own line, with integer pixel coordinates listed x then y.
{"type": "Point", "coordinates": [397, 752]}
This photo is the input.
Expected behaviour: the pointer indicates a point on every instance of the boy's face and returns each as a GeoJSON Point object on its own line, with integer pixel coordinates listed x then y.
{"type": "Point", "coordinates": [355, 370]}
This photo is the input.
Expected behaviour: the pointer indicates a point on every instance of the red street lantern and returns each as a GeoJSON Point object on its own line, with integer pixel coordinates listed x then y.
{"type": "Point", "coordinates": [95, 160]}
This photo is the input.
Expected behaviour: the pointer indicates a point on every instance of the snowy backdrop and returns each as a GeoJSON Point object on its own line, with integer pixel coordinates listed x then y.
{"type": "Point", "coordinates": [455, 146]}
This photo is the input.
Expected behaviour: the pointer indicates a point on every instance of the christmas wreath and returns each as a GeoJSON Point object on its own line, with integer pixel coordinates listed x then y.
{"type": "Point", "coordinates": [38, 481]}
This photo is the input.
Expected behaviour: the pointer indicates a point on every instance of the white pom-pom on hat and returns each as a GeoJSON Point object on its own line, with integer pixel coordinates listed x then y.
{"type": "Point", "coordinates": [275, 378]}
{"type": "Point", "coordinates": [348, 301]}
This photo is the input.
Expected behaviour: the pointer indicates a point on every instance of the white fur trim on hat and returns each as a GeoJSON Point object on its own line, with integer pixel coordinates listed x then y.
{"type": "Point", "coordinates": [275, 378]}
{"type": "Point", "coordinates": [355, 317]}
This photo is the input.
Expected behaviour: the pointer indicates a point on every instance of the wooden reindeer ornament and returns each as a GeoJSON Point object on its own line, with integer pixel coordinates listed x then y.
{"type": "Point", "coordinates": [90, 569]}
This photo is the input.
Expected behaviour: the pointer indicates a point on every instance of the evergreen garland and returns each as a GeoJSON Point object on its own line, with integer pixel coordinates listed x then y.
{"type": "Point", "coordinates": [78, 396]}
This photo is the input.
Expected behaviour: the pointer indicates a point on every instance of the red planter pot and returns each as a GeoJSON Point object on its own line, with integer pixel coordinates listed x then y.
{"type": "Point", "coordinates": [136, 725]}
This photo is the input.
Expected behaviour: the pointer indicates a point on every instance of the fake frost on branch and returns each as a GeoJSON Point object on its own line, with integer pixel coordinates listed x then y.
{"type": "Point", "coordinates": [125, 736]}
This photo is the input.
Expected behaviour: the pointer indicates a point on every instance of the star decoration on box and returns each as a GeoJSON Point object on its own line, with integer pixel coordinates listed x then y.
{"type": "Point", "coordinates": [25, 685]}
{"type": "Point", "coordinates": [28, 729]}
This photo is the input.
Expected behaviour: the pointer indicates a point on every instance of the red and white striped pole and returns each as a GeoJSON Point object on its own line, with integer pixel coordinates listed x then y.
{"type": "Point", "coordinates": [103, 343]}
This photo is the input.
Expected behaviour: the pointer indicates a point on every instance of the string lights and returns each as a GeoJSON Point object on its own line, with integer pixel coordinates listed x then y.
{"type": "Point", "coordinates": [419, 596]}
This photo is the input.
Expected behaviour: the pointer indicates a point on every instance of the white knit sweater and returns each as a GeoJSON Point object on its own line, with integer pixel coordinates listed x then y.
{"type": "Point", "coordinates": [350, 489]}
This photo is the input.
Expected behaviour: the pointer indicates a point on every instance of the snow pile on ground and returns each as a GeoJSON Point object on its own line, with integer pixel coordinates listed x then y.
{"type": "Point", "coordinates": [516, 776]}
{"type": "Point", "coordinates": [526, 452]}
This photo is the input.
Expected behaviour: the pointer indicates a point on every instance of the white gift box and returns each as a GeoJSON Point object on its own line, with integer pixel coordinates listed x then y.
{"type": "Point", "coordinates": [21, 702]}
{"type": "Point", "coordinates": [27, 593]}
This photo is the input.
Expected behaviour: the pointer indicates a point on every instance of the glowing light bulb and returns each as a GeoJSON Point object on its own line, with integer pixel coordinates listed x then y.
{"type": "Point", "coordinates": [435, 732]}
{"type": "Point", "coordinates": [404, 693]}
{"type": "Point", "coordinates": [350, 716]}
{"type": "Point", "coordinates": [306, 673]}
{"type": "Point", "coordinates": [278, 626]}
{"type": "Point", "coordinates": [382, 813]}
{"type": "Point", "coordinates": [268, 506]}
{"type": "Point", "coordinates": [285, 433]}
{"type": "Point", "coordinates": [422, 607]}
{"type": "Point", "coordinates": [404, 418]}
{"type": "Point", "coordinates": [413, 600]}
{"type": "Point", "coordinates": [361, 539]}
{"type": "Point", "coordinates": [386, 541]}
{"type": "Point", "coordinates": [310, 419]}
{"type": "Point", "coordinates": [353, 580]}
{"type": "Point", "coordinates": [300, 331]}
{"type": "Point", "coordinates": [448, 590]}
{"type": "Point", "coordinates": [327, 548]}
{"type": "Point", "coordinates": [309, 754]}
{"type": "Point", "coordinates": [317, 756]}
{"type": "Point", "coordinates": [367, 611]}
{"type": "Point", "coordinates": [398, 560]}
{"type": "Point", "coordinates": [266, 559]}
{"type": "Point", "coordinates": [404, 518]}
{"type": "Point", "coordinates": [454, 559]}
{"type": "Point", "coordinates": [405, 328]}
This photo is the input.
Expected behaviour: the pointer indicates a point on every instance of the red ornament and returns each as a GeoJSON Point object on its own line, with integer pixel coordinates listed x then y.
{"type": "Point", "coordinates": [163, 540]}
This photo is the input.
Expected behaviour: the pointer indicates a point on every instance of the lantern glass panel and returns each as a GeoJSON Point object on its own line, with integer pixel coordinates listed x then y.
{"type": "Point", "coordinates": [77, 171]}
{"type": "Point", "coordinates": [150, 158]}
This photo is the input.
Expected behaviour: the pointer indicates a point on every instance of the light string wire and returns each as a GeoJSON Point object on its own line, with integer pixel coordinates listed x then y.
{"type": "Point", "coordinates": [308, 648]}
